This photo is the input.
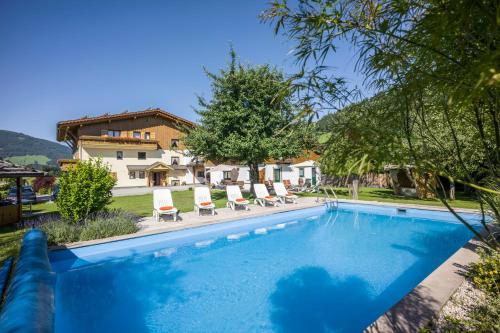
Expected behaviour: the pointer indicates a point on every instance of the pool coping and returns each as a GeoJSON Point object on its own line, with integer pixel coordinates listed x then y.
{"type": "Point", "coordinates": [230, 219]}
{"type": "Point", "coordinates": [421, 305]}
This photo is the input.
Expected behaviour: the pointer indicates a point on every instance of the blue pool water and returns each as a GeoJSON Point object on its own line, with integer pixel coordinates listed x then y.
{"type": "Point", "coordinates": [303, 271]}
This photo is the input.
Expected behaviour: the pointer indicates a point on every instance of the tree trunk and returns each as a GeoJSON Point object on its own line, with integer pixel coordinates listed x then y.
{"type": "Point", "coordinates": [254, 175]}
{"type": "Point", "coordinates": [355, 187]}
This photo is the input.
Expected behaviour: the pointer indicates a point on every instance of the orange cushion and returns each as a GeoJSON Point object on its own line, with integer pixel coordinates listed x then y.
{"type": "Point", "coordinates": [240, 200]}
{"type": "Point", "coordinates": [208, 203]}
{"type": "Point", "coordinates": [289, 194]}
{"type": "Point", "coordinates": [166, 207]}
{"type": "Point", "coordinates": [269, 197]}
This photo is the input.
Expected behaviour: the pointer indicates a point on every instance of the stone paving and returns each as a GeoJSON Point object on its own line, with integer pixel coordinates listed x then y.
{"type": "Point", "coordinates": [192, 219]}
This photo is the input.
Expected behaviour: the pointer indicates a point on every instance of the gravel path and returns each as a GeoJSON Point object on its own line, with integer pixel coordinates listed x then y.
{"type": "Point", "coordinates": [463, 300]}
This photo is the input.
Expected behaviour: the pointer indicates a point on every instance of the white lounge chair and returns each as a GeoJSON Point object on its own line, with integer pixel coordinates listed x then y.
{"type": "Point", "coordinates": [283, 195]}
{"type": "Point", "coordinates": [203, 200]}
{"type": "Point", "coordinates": [163, 205]}
{"type": "Point", "coordinates": [234, 198]}
{"type": "Point", "coordinates": [263, 197]}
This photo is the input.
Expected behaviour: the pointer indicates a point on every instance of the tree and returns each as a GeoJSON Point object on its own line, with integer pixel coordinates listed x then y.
{"type": "Point", "coordinates": [249, 119]}
{"type": "Point", "coordinates": [439, 62]}
{"type": "Point", "coordinates": [84, 189]}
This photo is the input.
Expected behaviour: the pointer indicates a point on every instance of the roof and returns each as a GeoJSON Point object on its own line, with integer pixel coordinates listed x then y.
{"type": "Point", "coordinates": [9, 170]}
{"type": "Point", "coordinates": [308, 163]}
{"type": "Point", "coordinates": [124, 115]}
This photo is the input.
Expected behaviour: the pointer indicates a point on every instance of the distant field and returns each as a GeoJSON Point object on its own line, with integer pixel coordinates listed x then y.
{"type": "Point", "coordinates": [29, 159]}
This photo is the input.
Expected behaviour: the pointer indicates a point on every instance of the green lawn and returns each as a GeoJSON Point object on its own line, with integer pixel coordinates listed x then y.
{"type": "Point", "coordinates": [142, 205]}
{"type": "Point", "coordinates": [387, 195]}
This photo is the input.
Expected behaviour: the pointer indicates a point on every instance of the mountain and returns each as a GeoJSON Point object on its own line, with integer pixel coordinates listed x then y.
{"type": "Point", "coordinates": [23, 149]}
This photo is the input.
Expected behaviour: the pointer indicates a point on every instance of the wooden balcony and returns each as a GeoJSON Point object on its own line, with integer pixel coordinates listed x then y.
{"type": "Point", "coordinates": [121, 143]}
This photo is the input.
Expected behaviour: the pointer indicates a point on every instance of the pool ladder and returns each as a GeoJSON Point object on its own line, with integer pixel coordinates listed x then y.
{"type": "Point", "coordinates": [330, 203]}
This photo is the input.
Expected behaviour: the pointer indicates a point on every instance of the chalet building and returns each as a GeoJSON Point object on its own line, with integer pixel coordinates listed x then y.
{"type": "Point", "coordinates": [142, 148]}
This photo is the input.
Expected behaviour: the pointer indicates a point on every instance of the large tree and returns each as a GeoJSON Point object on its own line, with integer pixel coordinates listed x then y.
{"type": "Point", "coordinates": [249, 119]}
{"type": "Point", "coordinates": [438, 60]}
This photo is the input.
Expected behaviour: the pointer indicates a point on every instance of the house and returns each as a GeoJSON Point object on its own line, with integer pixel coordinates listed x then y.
{"type": "Point", "coordinates": [142, 148]}
{"type": "Point", "coordinates": [297, 170]}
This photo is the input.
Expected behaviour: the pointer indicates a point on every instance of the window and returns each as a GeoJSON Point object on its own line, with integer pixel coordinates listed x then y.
{"type": "Point", "coordinates": [227, 175]}
{"type": "Point", "coordinates": [114, 133]}
{"type": "Point", "coordinates": [119, 155]}
{"type": "Point", "coordinates": [131, 175]}
{"type": "Point", "coordinates": [137, 134]}
{"type": "Point", "coordinates": [174, 160]}
{"type": "Point", "coordinates": [174, 143]}
{"type": "Point", "coordinates": [142, 174]}
{"type": "Point", "coordinates": [301, 172]}
{"type": "Point", "coordinates": [141, 155]}
{"type": "Point", "coordinates": [200, 174]}
{"type": "Point", "coordinates": [147, 136]}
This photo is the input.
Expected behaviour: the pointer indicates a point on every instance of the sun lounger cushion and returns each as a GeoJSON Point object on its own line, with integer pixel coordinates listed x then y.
{"type": "Point", "coordinates": [240, 200]}
{"type": "Point", "coordinates": [207, 203]}
{"type": "Point", "coordinates": [167, 208]}
{"type": "Point", "coordinates": [269, 197]}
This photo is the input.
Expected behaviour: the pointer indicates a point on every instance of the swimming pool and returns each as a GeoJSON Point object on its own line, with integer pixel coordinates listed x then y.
{"type": "Point", "coordinates": [303, 271]}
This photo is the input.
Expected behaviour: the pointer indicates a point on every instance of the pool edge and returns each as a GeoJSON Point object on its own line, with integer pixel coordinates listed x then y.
{"type": "Point", "coordinates": [421, 305]}
{"type": "Point", "coordinates": [231, 219]}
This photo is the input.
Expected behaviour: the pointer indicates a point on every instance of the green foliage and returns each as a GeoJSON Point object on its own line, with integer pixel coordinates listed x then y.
{"type": "Point", "coordinates": [24, 149]}
{"type": "Point", "coordinates": [482, 318]}
{"type": "Point", "coordinates": [101, 225]}
{"type": "Point", "coordinates": [84, 190]}
{"type": "Point", "coordinates": [486, 273]}
{"type": "Point", "coordinates": [113, 223]}
{"type": "Point", "coordinates": [249, 119]}
{"type": "Point", "coordinates": [436, 64]}
{"type": "Point", "coordinates": [61, 232]}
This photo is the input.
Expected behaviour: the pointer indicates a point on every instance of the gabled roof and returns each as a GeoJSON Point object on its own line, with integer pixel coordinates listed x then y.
{"type": "Point", "coordinates": [124, 115]}
{"type": "Point", "coordinates": [9, 170]}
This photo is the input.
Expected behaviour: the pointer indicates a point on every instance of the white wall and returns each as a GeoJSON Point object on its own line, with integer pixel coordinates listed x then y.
{"type": "Point", "coordinates": [130, 158]}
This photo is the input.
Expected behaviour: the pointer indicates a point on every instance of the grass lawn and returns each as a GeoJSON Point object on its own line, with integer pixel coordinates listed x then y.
{"type": "Point", "coordinates": [142, 205]}
{"type": "Point", "coordinates": [387, 195]}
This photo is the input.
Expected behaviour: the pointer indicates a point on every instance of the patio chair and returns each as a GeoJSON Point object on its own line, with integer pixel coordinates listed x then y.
{"type": "Point", "coordinates": [235, 199]}
{"type": "Point", "coordinates": [283, 195]}
{"type": "Point", "coordinates": [287, 183]}
{"type": "Point", "coordinates": [163, 205]}
{"type": "Point", "coordinates": [262, 196]}
{"type": "Point", "coordinates": [203, 200]}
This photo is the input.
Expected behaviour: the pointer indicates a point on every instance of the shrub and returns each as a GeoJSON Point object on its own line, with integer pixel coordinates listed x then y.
{"type": "Point", "coordinates": [60, 232]}
{"type": "Point", "coordinates": [99, 225]}
{"type": "Point", "coordinates": [84, 190]}
{"type": "Point", "coordinates": [43, 184]}
{"type": "Point", "coordinates": [109, 224]}
{"type": "Point", "coordinates": [486, 273]}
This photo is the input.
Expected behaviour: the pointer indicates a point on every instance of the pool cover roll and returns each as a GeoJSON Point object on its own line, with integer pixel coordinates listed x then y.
{"type": "Point", "coordinates": [29, 303]}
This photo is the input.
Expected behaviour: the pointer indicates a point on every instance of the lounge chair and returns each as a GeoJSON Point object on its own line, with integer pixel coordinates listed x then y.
{"type": "Point", "coordinates": [235, 199]}
{"type": "Point", "coordinates": [163, 205]}
{"type": "Point", "coordinates": [283, 195]}
{"type": "Point", "coordinates": [203, 200]}
{"type": "Point", "coordinates": [262, 196]}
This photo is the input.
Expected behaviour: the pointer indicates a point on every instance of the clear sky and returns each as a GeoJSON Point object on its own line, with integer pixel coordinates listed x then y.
{"type": "Point", "coordinates": [64, 59]}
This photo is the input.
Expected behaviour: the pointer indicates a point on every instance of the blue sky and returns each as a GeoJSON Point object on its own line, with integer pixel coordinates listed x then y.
{"type": "Point", "coordinates": [63, 59]}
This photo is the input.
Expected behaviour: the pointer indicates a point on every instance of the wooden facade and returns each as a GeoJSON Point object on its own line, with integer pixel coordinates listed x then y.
{"type": "Point", "coordinates": [162, 127]}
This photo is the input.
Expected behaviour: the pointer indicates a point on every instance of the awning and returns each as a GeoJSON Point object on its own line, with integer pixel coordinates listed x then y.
{"type": "Point", "coordinates": [137, 167]}
{"type": "Point", "coordinates": [223, 167]}
{"type": "Point", "coordinates": [305, 164]}
{"type": "Point", "coordinates": [157, 166]}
